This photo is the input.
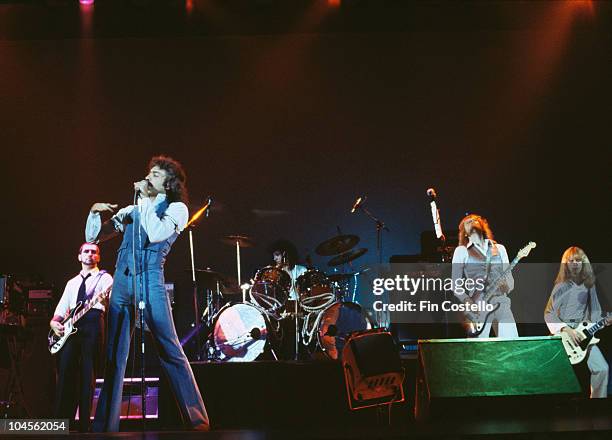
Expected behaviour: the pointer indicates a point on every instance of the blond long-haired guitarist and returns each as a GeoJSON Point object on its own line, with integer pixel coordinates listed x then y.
{"type": "Point", "coordinates": [574, 301]}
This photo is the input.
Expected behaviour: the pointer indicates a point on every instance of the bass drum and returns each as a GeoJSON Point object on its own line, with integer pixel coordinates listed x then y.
{"type": "Point", "coordinates": [242, 333]}
{"type": "Point", "coordinates": [335, 324]}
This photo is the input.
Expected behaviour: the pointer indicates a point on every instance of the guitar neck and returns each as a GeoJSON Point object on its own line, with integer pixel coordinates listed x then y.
{"type": "Point", "coordinates": [95, 300]}
{"type": "Point", "coordinates": [84, 310]}
{"type": "Point", "coordinates": [596, 327]}
{"type": "Point", "coordinates": [504, 273]}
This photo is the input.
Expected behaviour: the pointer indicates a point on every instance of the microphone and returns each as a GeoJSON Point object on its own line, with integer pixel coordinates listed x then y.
{"type": "Point", "coordinates": [209, 203]}
{"type": "Point", "coordinates": [137, 191]}
{"type": "Point", "coordinates": [358, 203]}
{"type": "Point", "coordinates": [435, 213]}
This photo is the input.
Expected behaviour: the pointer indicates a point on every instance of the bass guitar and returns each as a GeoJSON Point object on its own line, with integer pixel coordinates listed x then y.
{"type": "Point", "coordinates": [577, 353]}
{"type": "Point", "coordinates": [477, 320]}
{"type": "Point", "coordinates": [57, 342]}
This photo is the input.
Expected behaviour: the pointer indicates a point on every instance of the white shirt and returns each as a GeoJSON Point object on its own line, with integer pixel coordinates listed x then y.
{"type": "Point", "coordinates": [569, 304]}
{"type": "Point", "coordinates": [460, 259]}
{"type": "Point", "coordinates": [158, 229]}
{"type": "Point", "coordinates": [294, 274]}
{"type": "Point", "coordinates": [93, 286]}
{"type": "Point", "coordinates": [461, 252]}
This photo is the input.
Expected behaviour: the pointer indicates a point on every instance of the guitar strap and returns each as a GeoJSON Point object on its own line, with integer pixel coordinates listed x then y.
{"type": "Point", "coordinates": [587, 310]}
{"type": "Point", "coordinates": [93, 289]}
{"type": "Point", "coordinates": [491, 250]}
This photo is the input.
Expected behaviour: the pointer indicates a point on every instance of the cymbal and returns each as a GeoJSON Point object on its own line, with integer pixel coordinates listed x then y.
{"type": "Point", "coordinates": [242, 240]}
{"type": "Point", "coordinates": [208, 272]}
{"type": "Point", "coordinates": [337, 277]}
{"type": "Point", "coordinates": [337, 245]}
{"type": "Point", "coordinates": [346, 257]}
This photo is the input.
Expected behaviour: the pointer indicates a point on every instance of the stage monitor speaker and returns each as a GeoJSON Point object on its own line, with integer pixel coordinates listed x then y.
{"type": "Point", "coordinates": [372, 369]}
{"type": "Point", "coordinates": [463, 376]}
{"type": "Point", "coordinates": [131, 403]}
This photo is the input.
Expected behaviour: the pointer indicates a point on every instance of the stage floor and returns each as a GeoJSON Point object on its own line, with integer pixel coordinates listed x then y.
{"type": "Point", "coordinates": [578, 420]}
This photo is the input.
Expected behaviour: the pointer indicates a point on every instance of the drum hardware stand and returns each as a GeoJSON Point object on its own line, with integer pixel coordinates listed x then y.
{"type": "Point", "coordinates": [297, 330]}
{"type": "Point", "coordinates": [191, 225]}
{"type": "Point", "coordinates": [295, 306]}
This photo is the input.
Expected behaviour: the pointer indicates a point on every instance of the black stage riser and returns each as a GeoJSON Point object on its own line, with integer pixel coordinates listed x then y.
{"type": "Point", "coordinates": [268, 395]}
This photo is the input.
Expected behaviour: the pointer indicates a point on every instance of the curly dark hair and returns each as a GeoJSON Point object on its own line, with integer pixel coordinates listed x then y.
{"type": "Point", "coordinates": [176, 182]}
{"type": "Point", "coordinates": [288, 247]}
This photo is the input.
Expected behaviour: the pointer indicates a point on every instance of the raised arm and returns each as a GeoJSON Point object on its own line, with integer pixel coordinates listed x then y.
{"type": "Point", "coordinates": [173, 220]}
{"type": "Point", "coordinates": [96, 231]}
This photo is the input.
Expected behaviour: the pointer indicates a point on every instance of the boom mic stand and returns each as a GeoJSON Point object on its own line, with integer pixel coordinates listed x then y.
{"type": "Point", "coordinates": [380, 226]}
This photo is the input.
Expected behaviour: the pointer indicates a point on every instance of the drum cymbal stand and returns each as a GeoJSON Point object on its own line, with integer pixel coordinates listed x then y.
{"type": "Point", "coordinates": [293, 289]}
{"type": "Point", "coordinates": [191, 225]}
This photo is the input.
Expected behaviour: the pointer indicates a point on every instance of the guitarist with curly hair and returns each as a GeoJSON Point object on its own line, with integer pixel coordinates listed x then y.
{"type": "Point", "coordinates": [479, 257]}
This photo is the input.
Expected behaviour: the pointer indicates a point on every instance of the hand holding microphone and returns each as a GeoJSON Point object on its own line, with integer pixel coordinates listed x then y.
{"type": "Point", "coordinates": [142, 188]}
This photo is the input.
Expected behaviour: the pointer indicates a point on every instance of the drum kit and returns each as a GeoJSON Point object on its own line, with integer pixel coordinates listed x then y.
{"type": "Point", "coordinates": [267, 322]}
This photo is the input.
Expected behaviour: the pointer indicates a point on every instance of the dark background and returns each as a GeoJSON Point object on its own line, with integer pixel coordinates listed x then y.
{"type": "Point", "coordinates": [298, 107]}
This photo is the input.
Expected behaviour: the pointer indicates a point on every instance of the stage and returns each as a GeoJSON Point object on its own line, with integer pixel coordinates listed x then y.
{"type": "Point", "coordinates": [577, 419]}
{"type": "Point", "coordinates": [310, 158]}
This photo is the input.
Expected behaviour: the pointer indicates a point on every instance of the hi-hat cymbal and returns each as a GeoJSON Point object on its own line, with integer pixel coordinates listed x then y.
{"type": "Point", "coordinates": [242, 240]}
{"type": "Point", "coordinates": [337, 245]}
{"type": "Point", "coordinates": [346, 257]}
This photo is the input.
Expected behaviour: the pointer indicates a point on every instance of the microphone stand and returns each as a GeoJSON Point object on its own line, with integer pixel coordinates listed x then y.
{"type": "Point", "coordinates": [191, 225]}
{"type": "Point", "coordinates": [380, 226]}
{"type": "Point", "coordinates": [444, 254]}
{"type": "Point", "coordinates": [138, 288]}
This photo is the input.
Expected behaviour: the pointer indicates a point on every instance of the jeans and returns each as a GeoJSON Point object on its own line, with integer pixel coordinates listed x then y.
{"type": "Point", "coordinates": [158, 318]}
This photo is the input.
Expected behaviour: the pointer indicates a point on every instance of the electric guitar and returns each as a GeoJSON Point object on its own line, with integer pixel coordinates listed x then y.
{"type": "Point", "coordinates": [57, 342]}
{"type": "Point", "coordinates": [477, 320]}
{"type": "Point", "coordinates": [577, 353]}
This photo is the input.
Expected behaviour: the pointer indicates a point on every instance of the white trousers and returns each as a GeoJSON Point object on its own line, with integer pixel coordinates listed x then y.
{"type": "Point", "coordinates": [502, 321]}
{"type": "Point", "coordinates": [599, 373]}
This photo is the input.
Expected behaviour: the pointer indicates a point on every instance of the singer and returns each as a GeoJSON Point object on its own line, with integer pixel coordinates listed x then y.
{"type": "Point", "coordinates": [149, 230]}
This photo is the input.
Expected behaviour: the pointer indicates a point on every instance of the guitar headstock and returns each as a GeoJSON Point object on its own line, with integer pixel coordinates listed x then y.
{"type": "Point", "coordinates": [526, 250]}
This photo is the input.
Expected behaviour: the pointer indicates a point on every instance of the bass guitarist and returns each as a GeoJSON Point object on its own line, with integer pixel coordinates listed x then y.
{"type": "Point", "coordinates": [479, 257]}
{"type": "Point", "coordinates": [574, 300]}
{"type": "Point", "coordinates": [77, 358]}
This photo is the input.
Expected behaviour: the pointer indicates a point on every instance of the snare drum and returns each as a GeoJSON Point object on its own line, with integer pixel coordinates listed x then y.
{"type": "Point", "coordinates": [270, 288]}
{"type": "Point", "coordinates": [335, 324]}
{"type": "Point", "coordinates": [242, 333]}
{"type": "Point", "coordinates": [315, 290]}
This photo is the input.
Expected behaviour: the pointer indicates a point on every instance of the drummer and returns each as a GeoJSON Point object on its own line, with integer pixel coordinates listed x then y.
{"type": "Point", "coordinates": [285, 257]}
